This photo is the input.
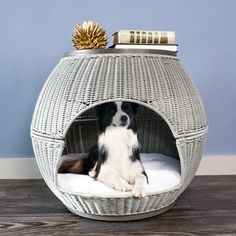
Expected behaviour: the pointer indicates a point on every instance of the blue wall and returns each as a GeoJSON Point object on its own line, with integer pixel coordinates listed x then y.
{"type": "Point", "coordinates": [35, 34]}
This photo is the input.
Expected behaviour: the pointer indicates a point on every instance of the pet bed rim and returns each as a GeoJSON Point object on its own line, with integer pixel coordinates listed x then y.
{"type": "Point", "coordinates": [152, 194]}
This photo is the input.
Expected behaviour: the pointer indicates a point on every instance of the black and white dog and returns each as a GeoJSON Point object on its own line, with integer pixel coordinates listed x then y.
{"type": "Point", "coordinates": [115, 160]}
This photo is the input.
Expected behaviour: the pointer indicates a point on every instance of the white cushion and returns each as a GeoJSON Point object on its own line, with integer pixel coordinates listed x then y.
{"type": "Point", "coordinates": [163, 173]}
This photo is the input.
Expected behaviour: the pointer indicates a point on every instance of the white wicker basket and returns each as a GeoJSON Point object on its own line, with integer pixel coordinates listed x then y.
{"type": "Point", "coordinates": [87, 78]}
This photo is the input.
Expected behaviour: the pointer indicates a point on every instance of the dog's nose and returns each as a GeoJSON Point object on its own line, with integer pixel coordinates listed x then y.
{"type": "Point", "coordinates": [123, 119]}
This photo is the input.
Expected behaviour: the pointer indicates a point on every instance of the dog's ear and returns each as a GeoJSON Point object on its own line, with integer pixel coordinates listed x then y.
{"type": "Point", "coordinates": [99, 109]}
{"type": "Point", "coordinates": [135, 107]}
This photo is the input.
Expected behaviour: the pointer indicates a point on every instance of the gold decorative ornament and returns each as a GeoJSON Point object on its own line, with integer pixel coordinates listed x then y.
{"type": "Point", "coordinates": [88, 36]}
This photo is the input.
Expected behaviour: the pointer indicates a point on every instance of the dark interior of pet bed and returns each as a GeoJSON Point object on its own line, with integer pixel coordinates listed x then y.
{"type": "Point", "coordinates": [158, 153]}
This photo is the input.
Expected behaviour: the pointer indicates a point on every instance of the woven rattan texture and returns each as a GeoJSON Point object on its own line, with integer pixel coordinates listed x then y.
{"type": "Point", "coordinates": [78, 83]}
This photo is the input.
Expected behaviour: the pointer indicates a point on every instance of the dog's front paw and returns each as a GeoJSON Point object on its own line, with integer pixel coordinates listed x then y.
{"type": "Point", "coordinates": [139, 191]}
{"type": "Point", "coordinates": [122, 185]}
{"type": "Point", "coordinates": [92, 173]}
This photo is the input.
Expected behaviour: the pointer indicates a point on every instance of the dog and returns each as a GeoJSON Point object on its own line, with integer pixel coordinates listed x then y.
{"type": "Point", "coordinates": [115, 159]}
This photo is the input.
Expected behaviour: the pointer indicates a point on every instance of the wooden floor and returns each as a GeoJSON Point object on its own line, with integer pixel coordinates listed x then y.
{"type": "Point", "coordinates": [207, 207]}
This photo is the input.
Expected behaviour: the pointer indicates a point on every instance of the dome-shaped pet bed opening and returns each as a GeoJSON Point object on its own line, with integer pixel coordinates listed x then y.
{"type": "Point", "coordinates": [158, 153]}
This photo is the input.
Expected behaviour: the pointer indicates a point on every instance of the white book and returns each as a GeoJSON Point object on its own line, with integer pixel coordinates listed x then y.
{"type": "Point", "coordinates": [172, 48]}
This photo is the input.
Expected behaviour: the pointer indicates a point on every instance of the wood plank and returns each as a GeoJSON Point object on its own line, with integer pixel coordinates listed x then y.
{"type": "Point", "coordinates": [207, 207]}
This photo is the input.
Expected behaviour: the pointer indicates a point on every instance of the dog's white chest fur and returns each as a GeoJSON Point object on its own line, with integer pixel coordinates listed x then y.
{"type": "Point", "coordinates": [118, 142]}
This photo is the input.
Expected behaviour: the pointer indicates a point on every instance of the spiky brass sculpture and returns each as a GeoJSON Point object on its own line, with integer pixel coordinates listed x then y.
{"type": "Point", "coordinates": [89, 35]}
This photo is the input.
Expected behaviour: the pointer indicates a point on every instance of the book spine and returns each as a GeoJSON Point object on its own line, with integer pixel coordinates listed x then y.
{"type": "Point", "coordinates": [144, 37]}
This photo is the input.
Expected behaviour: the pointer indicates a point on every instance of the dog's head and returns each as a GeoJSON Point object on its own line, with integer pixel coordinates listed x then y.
{"type": "Point", "coordinates": [117, 114]}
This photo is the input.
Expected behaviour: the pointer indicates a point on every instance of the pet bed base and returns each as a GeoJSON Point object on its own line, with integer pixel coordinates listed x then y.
{"type": "Point", "coordinates": [129, 217]}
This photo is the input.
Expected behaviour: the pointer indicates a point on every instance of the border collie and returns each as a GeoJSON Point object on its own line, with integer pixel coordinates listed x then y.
{"type": "Point", "coordinates": [115, 160]}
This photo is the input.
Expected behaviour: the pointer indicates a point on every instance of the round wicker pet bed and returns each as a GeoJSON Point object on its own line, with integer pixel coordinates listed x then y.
{"type": "Point", "coordinates": [171, 121]}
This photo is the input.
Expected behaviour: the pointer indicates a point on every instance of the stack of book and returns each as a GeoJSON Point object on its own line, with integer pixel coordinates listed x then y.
{"type": "Point", "coordinates": [139, 39]}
